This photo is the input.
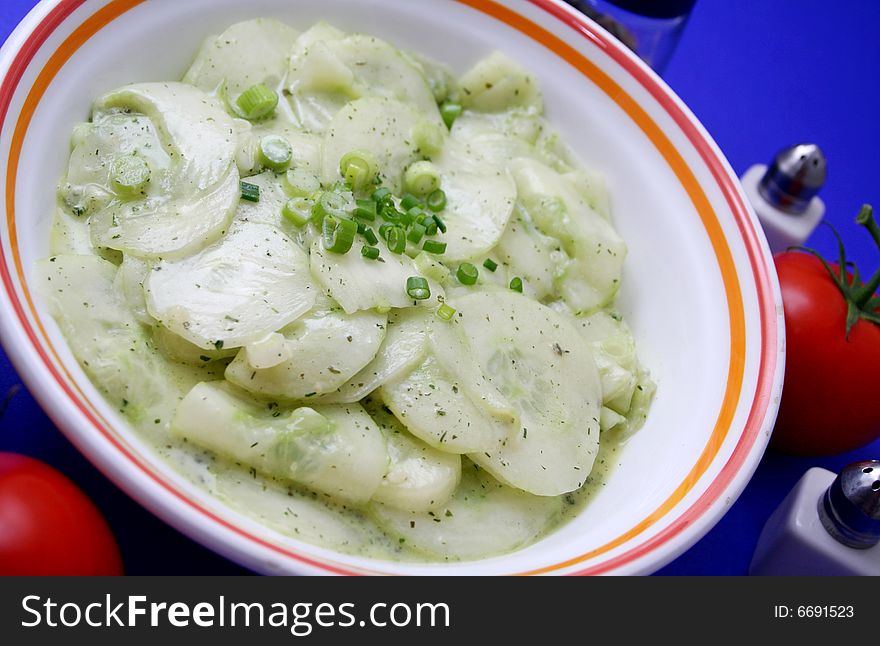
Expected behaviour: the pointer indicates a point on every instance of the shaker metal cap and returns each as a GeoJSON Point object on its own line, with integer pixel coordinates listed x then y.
{"type": "Point", "coordinates": [850, 508]}
{"type": "Point", "coordinates": [794, 177]}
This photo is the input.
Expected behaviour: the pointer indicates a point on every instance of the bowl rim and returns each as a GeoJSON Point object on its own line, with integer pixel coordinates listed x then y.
{"type": "Point", "coordinates": [104, 449]}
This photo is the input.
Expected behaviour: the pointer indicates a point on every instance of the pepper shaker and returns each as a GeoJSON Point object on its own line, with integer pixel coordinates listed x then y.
{"type": "Point", "coordinates": [828, 525]}
{"type": "Point", "coordinates": [784, 195]}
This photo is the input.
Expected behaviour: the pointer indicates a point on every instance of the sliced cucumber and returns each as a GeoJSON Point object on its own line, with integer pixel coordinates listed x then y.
{"type": "Point", "coordinates": [129, 282]}
{"type": "Point", "coordinates": [419, 477]}
{"type": "Point", "coordinates": [378, 69]}
{"type": "Point", "coordinates": [591, 276]}
{"type": "Point", "coordinates": [191, 125]}
{"type": "Point", "coordinates": [295, 511]}
{"type": "Point", "coordinates": [402, 349]}
{"type": "Point", "coordinates": [329, 69]}
{"type": "Point", "coordinates": [609, 419]}
{"type": "Point", "coordinates": [627, 388]}
{"type": "Point", "coordinates": [305, 146]}
{"type": "Point", "coordinates": [324, 349]}
{"type": "Point", "coordinates": [247, 53]}
{"type": "Point", "coordinates": [483, 518]}
{"type": "Point", "coordinates": [69, 235]}
{"type": "Point", "coordinates": [337, 450]}
{"type": "Point", "coordinates": [191, 202]}
{"type": "Point", "coordinates": [112, 347]}
{"type": "Point", "coordinates": [360, 284]}
{"type": "Point", "coordinates": [440, 78]}
{"type": "Point", "coordinates": [268, 209]}
{"type": "Point", "coordinates": [542, 366]}
{"type": "Point", "coordinates": [496, 83]}
{"type": "Point", "coordinates": [594, 189]}
{"type": "Point", "coordinates": [87, 186]}
{"type": "Point", "coordinates": [479, 201]}
{"type": "Point", "coordinates": [433, 407]}
{"type": "Point", "coordinates": [378, 125]}
{"type": "Point", "coordinates": [176, 348]}
{"type": "Point", "coordinates": [253, 282]}
{"type": "Point", "coordinates": [452, 350]}
{"type": "Point", "coordinates": [531, 255]}
{"type": "Point", "coordinates": [503, 136]}
{"type": "Point", "coordinates": [268, 352]}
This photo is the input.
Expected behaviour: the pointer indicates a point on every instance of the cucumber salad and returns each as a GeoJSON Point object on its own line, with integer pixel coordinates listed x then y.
{"type": "Point", "coordinates": [364, 301]}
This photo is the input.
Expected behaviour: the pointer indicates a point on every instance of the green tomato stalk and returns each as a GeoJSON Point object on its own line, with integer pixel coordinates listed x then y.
{"type": "Point", "coordinates": [861, 302]}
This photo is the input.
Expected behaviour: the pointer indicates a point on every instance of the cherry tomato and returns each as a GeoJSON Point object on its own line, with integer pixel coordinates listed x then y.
{"type": "Point", "coordinates": [831, 396]}
{"type": "Point", "coordinates": [48, 526]}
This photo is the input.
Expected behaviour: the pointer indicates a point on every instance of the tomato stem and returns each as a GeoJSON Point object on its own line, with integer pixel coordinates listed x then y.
{"type": "Point", "coordinates": [866, 219]}
{"type": "Point", "coordinates": [861, 301]}
{"type": "Point", "coordinates": [862, 295]}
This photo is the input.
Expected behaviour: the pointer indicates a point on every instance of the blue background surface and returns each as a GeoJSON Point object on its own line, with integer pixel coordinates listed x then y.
{"type": "Point", "coordinates": [760, 75]}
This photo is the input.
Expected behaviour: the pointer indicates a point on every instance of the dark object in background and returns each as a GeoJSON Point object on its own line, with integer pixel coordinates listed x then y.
{"type": "Point", "coordinates": [650, 28]}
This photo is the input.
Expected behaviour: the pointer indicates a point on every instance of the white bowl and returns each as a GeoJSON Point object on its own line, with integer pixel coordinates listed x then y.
{"type": "Point", "coordinates": [699, 291]}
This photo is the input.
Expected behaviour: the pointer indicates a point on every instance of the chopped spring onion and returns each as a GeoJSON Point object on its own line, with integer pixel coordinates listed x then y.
{"type": "Point", "coordinates": [297, 210]}
{"type": "Point", "coordinates": [466, 274]}
{"type": "Point", "coordinates": [390, 213]}
{"type": "Point", "coordinates": [450, 111]}
{"type": "Point", "coordinates": [250, 192]}
{"type": "Point", "coordinates": [275, 153]}
{"type": "Point", "coordinates": [431, 268]}
{"type": "Point", "coordinates": [440, 223]}
{"type": "Point", "coordinates": [428, 136]}
{"type": "Point", "coordinates": [445, 312]}
{"type": "Point", "coordinates": [437, 201]}
{"type": "Point", "coordinates": [422, 218]}
{"type": "Point", "coordinates": [359, 168]}
{"type": "Point", "coordinates": [384, 229]}
{"type": "Point", "coordinates": [435, 247]}
{"type": "Point", "coordinates": [417, 288]}
{"type": "Point", "coordinates": [129, 175]}
{"type": "Point", "coordinates": [516, 284]}
{"type": "Point", "coordinates": [490, 264]}
{"type": "Point", "coordinates": [257, 102]}
{"type": "Point", "coordinates": [338, 234]}
{"type": "Point", "coordinates": [365, 210]}
{"type": "Point", "coordinates": [370, 236]}
{"type": "Point", "coordinates": [422, 178]}
{"type": "Point", "coordinates": [416, 233]}
{"type": "Point", "coordinates": [381, 195]}
{"type": "Point", "coordinates": [409, 201]}
{"type": "Point", "coordinates": [430, 226]}
{"type": "Point", "coordinates": [329, 203]}
{"type": "Point", "coordinates": [370, 252]}
{"type": "Point", "coordinates": [299, 182]}
{"type": "Point", "coordinates": [396, 239]}
{"type": "Point", "coordinates": [408, 217]}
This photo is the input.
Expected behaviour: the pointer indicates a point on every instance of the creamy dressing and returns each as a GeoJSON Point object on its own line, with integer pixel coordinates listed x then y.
{"type": "Point", "coordinates": [309, 389]}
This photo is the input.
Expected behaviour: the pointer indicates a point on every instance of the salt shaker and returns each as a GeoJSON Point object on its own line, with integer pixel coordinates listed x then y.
{"type": "Point", "coordinates": [828, 525]}
{"type": "Point", "coordinates": [784, 195]}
